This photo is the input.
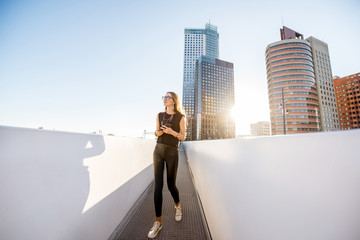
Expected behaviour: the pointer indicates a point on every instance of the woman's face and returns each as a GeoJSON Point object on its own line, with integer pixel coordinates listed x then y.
{"type": "Point", "coordinates": [169, 102]}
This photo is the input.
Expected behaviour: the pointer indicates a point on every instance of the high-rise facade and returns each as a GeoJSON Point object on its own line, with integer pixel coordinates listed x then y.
{"type": "Point", "coordinates": [260, 128]}
{"type": "Point", "coordinates": [214, 99]}
{"type": "Point", "coordinates": [325, 85]}
{"type": "Point", "coordinates": [198, 42]}
{"type": "Point", "coordinates": [348, 101]}
{"type": "Point", "coordinates": [291, 82]}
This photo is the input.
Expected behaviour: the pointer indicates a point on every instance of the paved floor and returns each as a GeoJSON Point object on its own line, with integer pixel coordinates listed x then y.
{"type": "Point", "coordinates": [192, 225]}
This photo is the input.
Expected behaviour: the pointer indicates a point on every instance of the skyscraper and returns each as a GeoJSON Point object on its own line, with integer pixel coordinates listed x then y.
{"type": "Point", "coordinates": [260, 128]}
{"type": "Point", "coordinates": [198, 42]}
{"type": "Point", "coordinates": [325, 85]}
{"type": "Point", "coordinates": [214, 99]}
{"type": "Point", "coordinates": [348, 101]}
{"type": "Point", "coordinates": [290, 74]}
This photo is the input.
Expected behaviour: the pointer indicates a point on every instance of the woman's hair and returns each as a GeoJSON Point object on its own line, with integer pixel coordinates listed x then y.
{"type": "Point", "coordinates": [176, 102]}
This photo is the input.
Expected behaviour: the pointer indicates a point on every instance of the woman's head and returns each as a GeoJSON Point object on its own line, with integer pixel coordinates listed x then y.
{"type": "Point", "coordinates": [172, 100]}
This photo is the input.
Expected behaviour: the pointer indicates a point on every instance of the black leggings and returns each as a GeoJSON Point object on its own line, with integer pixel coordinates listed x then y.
{"type": "Point", "coordinates": [164, 154]}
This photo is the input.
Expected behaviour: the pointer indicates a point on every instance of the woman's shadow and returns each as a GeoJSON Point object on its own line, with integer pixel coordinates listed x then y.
{"type": "Point", "coordinates": [46, 182]}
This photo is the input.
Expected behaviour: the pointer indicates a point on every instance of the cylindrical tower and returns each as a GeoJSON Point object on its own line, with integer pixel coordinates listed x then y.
{"type": "Point", "coordinates": [290, 68]}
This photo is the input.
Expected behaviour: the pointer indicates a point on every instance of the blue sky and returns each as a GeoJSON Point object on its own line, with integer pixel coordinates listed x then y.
{"type": "Point", "coordinates": [86, 66]}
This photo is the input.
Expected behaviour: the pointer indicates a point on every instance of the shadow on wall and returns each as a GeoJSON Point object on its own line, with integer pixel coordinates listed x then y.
{"type": "Point", "coordinates": [105, 216]}
{"type": "Point", "coordinates": [59, 185]}
{"type": "Point", "coordinates": [44, 181]}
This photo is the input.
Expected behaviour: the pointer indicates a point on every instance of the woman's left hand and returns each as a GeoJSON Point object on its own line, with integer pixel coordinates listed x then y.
{"type": "Point", "coordinates": [166, 129]}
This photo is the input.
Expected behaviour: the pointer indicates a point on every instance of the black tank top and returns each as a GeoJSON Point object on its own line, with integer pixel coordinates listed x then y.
{"type": "Point", "coordinates": [172, 121]}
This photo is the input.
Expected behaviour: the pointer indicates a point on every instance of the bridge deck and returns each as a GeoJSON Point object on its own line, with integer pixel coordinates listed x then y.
{"type": "Point", "coordinates": [191, 227]}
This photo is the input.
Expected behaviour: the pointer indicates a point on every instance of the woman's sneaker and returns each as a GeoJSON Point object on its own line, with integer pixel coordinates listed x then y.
{"type": "Point", "coordinates": [155, 229]}
{"type": "Point", "coordinates": [178, 213]}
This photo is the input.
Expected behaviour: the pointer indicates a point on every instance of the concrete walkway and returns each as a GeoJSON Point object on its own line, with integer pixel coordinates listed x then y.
{"type": "Point", "coordinates": [143, 215]}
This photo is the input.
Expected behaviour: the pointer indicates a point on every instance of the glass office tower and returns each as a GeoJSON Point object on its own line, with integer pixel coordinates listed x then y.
{"type": "Point", "coordinates": [214, 99]}
{"type": "Point", "coordinates": [290, 74]}
{"type": "Point", "coordinates": [198, 42]}
{"type": "Point", "coordinates": [299, 71]}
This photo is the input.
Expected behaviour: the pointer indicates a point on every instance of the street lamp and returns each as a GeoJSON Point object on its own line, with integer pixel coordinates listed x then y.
{"type": "Point", "coordinates": [282, 106]}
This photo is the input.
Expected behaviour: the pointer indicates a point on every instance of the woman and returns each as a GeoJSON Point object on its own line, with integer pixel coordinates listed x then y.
{"type": "Point", "coordinates": [170, 128]}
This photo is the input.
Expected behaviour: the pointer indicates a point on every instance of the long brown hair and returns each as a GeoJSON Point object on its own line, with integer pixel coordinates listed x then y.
{"type": "Point", "coordinates": [176, 102]}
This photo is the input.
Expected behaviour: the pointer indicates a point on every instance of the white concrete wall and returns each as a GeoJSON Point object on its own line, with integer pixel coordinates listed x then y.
{"type": "Point", "coordinates": [279, 188]}
{"type": "Point", "coordinates": [60, 185]}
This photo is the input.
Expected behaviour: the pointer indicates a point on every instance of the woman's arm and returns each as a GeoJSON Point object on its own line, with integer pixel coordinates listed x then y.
{"type": "Point", "coordinates": [158, 132]}
{"type": "Point", "coordinates": [180, 135]}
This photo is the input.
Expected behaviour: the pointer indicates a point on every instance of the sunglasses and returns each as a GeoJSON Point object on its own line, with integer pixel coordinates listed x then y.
{"type": "Point", "coordinates": [166, 97]}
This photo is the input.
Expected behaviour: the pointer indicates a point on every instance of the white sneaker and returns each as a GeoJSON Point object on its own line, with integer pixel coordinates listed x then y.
{"type": "Point", "coordinates": [178, 213]}
{"type": "Point", "coordinates": [155, 229]}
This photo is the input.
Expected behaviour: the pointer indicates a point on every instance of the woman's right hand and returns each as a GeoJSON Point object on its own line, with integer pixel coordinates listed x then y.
{"type": "Point", "coordinates": [159, 133]}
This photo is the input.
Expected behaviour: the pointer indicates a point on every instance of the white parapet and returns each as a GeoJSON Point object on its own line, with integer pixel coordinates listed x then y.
{"type": "Point", "coordinates": [61, 185]}
{"type": "Point", "coordinates": [279, 188]}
